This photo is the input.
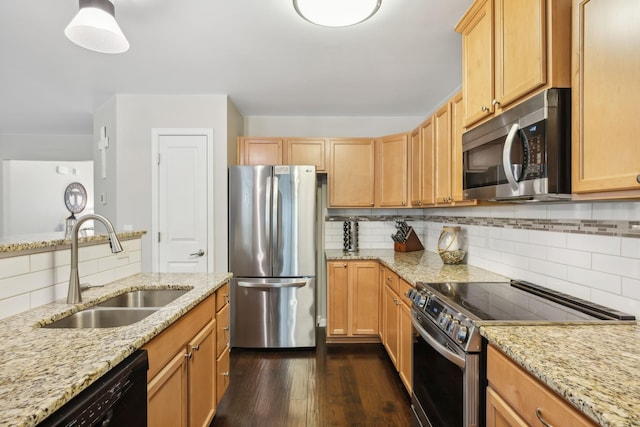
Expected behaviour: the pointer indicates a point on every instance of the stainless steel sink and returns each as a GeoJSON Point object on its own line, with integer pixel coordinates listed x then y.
{"type": "Point", "coordinates": [144, 298]}
{"type": "Point", "coordinates": [102, 318]}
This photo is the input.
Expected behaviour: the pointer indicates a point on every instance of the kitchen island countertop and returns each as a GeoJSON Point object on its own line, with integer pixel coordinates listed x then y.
{"type": "Point", "coordinates": [43, 368]}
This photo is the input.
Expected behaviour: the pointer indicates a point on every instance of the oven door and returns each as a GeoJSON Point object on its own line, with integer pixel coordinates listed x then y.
{"type": "Point", "coordinates": [446, 390]}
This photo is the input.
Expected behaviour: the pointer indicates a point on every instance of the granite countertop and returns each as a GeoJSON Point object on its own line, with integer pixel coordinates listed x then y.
{"type": "Point", "coordinates": [18, 245]}
{"type": "Point", "coordinates": [43, 368]}
{"type": "Point", "coordinates": [594, 367]}
{"type": "Point", "coordinates": [419, 266]}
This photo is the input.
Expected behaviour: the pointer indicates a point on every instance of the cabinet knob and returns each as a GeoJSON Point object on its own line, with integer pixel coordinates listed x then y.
{"type": "Point", "coordinates": [344, 265]}
{"type": "Point", "coordinates": [638, 179]}
{"type": "Point", "coordinates": [226, 328]}
{"type": "Point", "coordinates": [485, 108]}
{"type": "Point", "coordinates": [495, 102]}
{"type": "Point", "coordinates": [372, 204]}
{"type": "Point", "coordinates": [188, 355]}
{"type": "Point", "coordinates": [225, 374]}
{"type": "Point", "coordinates": [195, 347]}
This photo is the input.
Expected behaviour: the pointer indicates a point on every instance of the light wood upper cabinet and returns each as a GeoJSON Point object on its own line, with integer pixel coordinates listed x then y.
{"type": "Point", "coordinates": [606, 86]}
{"type": "Point", "coordinates": [442, 143]}
{"type": "Point", "coordinates": [391, 174]}
{"type": "Point", "coordinates": [352, 300]}
{"type": "Point", "coordinates": [456, 111]}
{"type": "Point", "coordinates": [422, 164]}
{"type": "Point", "coordinates": [260, 151]}
{"type": "Point", "coordinates": [351, 174]}
{"type": "Point", "coordinates": [307, 151]}
{"type": "Point", "coordinates": [281, 151]}
{"type": "Point", "coordinates": [511, 50]}
{"type": "Point", "coordinates": [476, 28]}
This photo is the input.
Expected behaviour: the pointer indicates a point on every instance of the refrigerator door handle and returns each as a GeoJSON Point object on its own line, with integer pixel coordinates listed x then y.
{"type": "Point", "coordinates": [255, 285]}
{"type": "Point", "coordinates": [274, 220]}
{"type": "Point", "coordinates": [267, 209]}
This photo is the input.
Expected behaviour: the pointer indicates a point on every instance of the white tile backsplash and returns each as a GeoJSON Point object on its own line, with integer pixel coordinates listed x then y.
{"type": "Point", "coordinates": [28, 281]}
{"type": "Point", "coordinates": [601, 268]}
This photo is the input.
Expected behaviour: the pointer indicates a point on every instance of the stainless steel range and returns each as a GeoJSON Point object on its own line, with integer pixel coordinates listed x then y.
{"type": "Point", "coordinates": [449, 364]}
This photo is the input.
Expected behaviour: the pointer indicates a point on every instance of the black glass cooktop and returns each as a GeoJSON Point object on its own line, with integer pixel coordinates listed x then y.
{"type": "Point", "coordinates": [519, 301]}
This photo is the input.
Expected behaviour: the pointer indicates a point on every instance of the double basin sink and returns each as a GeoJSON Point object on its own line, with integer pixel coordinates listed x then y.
{"type": "Point", "coordinates": [120, 310]}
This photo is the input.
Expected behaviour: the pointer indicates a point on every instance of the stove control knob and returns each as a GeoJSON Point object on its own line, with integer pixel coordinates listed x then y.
{"type": "Point", "coordinates": [462, 335]}
{"type": "Point", "coordinates": [452, 327]}
{"type": "Point", "coordinates": [444, 320]}
{"type": "Point", "coordinates": [422, 301]}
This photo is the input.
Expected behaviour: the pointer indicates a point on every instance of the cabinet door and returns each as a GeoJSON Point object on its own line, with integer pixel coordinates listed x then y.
{"type": "Point", "coordinates": [260, 151]}
{"type": "Point", "coordinates": [477, 61]}
{"type": "Point", "coordinates": [442, 143]}
{"type": "Point", "coordinates": [307, 151]}
{"type": "Point", "coordinates": [415, 168]}
{"type": "Point", "coordinates": [457, 128]}
{"type": "Point", "coordinates": [222, 329]}
{"type": "Point", "coordinates": [428, 164]}
{"type": "Point", "coordinates": [405, 359]}
{"type": "Point", "coordinates": [167, 394]}
{"type": "Point", "coordinates": [390, 322]}
{"type": "Point", "coordinates": [500, 414]}
{"type": "Point", "coordinates": [337, 298]}
{"type": "Point", "coordinates": [605, 89]}
{"type": "Point", "coordinates": [391, 174]}
{"type": "Point", "coordinates": [351, 173]}
{"type": "Point", "coordinates": [202, 376]}
{"type": "Point", "coordinates": [364, 283]}
{"type": "Point", "coordinates": [519, 48]}
{"type": "Point", "coordinates": [223, 377]}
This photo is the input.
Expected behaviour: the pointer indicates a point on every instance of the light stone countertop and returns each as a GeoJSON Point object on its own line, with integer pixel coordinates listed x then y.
{"type": "Point", "coordinates": [43, 368]}
{"type": "Point", "coordinates": [594, 367]}
{"type": "Point", "coordinates": [418, 266]}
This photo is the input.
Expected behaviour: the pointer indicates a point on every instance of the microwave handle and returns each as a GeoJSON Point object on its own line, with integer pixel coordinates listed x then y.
{"type": "Point", "coordinates": [506, 158]}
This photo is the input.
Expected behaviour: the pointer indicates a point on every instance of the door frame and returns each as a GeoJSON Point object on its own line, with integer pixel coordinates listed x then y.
{"type": "Point", "coordinates": [156, 133]}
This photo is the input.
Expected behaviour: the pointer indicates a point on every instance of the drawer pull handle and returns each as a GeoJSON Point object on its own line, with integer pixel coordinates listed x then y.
{"type": "Point", "coordinates": [539, 415]}
{"type": "Point", "coordinates": [226, 328]}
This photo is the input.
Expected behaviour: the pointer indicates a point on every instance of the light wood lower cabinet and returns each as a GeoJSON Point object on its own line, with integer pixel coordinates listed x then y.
{"type": "Point", "coordinates": [183, 365]}
{"type": "Point", "coordinates": [398, 330]}
{"type": "Point", "coordinates": [516, 398]}
{"type": "Point", "coordinates": [222, 341]}
{"type": "Point", "coordinates": [352, 301]}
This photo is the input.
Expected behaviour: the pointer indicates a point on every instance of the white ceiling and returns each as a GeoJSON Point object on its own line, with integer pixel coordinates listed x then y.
{"type": "Point", "coordinates": [402, 62]}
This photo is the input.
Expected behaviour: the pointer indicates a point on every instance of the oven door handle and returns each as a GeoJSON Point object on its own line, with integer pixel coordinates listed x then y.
{"type": "Point", "coordinates": [445, 352]}
{"type": "Point", "coordinates": [506, 158]}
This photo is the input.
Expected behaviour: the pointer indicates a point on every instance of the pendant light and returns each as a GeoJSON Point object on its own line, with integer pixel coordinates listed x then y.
{"type": "Point", "coordinates": [336, 13]}
{"type": "Point", "coordinates": [95, 28]}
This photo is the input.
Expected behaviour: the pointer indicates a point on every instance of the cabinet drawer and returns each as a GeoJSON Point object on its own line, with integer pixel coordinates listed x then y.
{"type": "Point", "coordinates": [404, 288]}
{"type": "Point", "coordinates": [222, 296]}
{"type": "Point", "coordinates": [222, 380]}
{"type": "Point", "coordinates": [222, 329]}
{"type": "Point", "coordinates": [391, 280]}
{"type": "Point", "coordinates": [526, 395]}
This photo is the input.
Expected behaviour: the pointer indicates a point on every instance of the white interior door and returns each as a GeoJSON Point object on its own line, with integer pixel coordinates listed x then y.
{"type": "Point", "coordinates": [182, 203]}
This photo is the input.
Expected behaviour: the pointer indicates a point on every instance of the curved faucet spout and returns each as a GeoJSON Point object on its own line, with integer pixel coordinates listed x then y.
{"type": "Point", "coordinates": [73, 296]}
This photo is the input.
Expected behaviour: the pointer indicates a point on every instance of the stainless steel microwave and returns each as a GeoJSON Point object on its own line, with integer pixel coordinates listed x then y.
{"type": "Point", "coordinates": [524, 154]}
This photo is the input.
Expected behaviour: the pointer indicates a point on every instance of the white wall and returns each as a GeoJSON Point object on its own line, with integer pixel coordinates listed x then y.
{"type": "Point", "coordinates": [328, 126]}
{"type": "Point", "coordinates": [128, 183]}
{"type": "Point", "coordinates": [33, 194]}
{"type": "Point", "coordinates": [45, 147]}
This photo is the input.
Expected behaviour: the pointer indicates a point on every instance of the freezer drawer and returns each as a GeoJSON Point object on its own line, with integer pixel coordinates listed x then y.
{"type": "Point", "coordinates": [273, 313]}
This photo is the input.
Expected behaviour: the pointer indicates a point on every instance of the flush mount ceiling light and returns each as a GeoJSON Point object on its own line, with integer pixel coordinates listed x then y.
{"type": "Point", "coordinates": [95, 28]}
{"type": "Point", "coordinates": [336, 13]}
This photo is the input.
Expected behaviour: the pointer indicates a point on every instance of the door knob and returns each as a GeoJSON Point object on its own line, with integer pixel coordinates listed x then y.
{"type": "Point", "coordinates": [199, 253]}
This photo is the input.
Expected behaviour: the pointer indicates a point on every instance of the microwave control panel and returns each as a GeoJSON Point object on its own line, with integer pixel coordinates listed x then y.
{"type": "Point", "coordinates": [534, 151]}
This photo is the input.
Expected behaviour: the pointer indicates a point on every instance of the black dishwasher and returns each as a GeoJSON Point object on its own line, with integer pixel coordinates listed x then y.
{"type": "Point", "coordinates": [118, 398]}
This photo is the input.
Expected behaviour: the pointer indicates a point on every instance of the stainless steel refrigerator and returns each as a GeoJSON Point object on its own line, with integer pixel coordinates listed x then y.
{"type": "Point", "coordinates": [272, 255]}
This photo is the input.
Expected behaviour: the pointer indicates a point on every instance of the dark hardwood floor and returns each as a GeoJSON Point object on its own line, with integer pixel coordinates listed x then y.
{"type": "Point", "coordinates": [332, 385]}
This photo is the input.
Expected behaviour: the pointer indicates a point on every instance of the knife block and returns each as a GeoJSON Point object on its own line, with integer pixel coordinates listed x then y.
{"type": "Point", "coordinates": [412, 243]}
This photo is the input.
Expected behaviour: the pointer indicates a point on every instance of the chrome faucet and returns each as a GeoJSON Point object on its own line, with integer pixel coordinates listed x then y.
{"type": "Point", "coordinates": [73, 296]}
